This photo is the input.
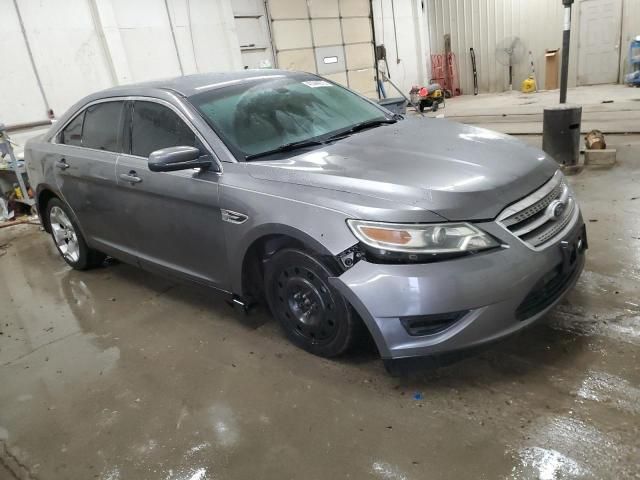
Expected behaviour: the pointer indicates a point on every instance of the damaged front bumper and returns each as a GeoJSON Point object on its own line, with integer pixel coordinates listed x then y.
{"type": "Point", "coordinates": [483, 297]}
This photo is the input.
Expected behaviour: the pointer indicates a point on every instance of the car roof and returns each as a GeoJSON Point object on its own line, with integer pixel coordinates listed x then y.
{"type": "Point", "coordinates": [185, 86]}
{"type": "Point", "coordinates": [188, 85]}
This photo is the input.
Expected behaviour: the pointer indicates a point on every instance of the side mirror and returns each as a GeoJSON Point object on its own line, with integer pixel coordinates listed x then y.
{"type": "Point", "coordinates": [178, 158]}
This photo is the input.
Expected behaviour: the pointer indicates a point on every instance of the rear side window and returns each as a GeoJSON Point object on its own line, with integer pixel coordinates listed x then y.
{"type": "Point", "coordinates": [155, 126]}
{"type": "Point", "coordinates": [72, 133]}
{"type": "Point", "coordinates": [103, 126]}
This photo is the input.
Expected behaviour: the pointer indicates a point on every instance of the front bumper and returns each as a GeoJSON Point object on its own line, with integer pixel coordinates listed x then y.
{"type": "Point", "coordinates": [492, 286]}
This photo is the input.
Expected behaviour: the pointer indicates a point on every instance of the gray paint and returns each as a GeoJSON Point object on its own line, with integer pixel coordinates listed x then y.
{"type": "Point", "coordinates": [418, 170]}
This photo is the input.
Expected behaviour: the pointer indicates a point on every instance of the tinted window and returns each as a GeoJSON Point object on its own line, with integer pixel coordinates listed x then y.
{"type": "Point", "coordinates": [103, 126]}
{"type": "Point", "coordinates": [257, 115]}
{"type": "Point", "coordinates": [72, 133]}
{"type": "Point", "coordinates": [155, 127]}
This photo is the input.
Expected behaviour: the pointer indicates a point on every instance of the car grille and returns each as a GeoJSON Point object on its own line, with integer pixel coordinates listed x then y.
{"type": "Point", "coordinates": [539, 218]}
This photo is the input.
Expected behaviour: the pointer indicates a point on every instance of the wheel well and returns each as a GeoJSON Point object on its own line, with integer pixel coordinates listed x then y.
{"type": "Point", "coordinates": [43, 199]}
{"type": "Point", "coordinates": [254, 259]}
{"type": "Point", "coordinates": [258, 255]}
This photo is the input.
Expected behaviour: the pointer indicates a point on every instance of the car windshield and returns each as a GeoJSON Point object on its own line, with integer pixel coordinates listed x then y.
{"type": "Point", "coordinates": [255, 117]}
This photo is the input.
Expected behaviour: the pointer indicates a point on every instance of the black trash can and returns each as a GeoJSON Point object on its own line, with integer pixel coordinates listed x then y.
{"type": "Point", "coordinates": [561, 133]}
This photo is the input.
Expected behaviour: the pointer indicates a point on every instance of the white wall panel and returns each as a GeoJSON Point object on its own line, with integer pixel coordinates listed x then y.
{"type": "Point", "coordinates": [67, 51]}
{"type": "Point", "coordinates": [148, 42]}
{"type": "Point", "coordinates": [206, 35]}
{"type": "Point", "coordinates": [81, 46]}
{"type": "Point", "coordinates": [412, 42]}
{"type": "Point", "coordinates": [20, 98]}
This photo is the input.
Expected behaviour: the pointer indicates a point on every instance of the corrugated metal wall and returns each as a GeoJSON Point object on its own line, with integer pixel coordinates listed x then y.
{"type": "Point", "coordinates": [482, 24]}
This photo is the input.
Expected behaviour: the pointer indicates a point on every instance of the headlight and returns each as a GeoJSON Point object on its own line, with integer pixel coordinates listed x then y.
{"type": "Point", "coordinates": [421, 239]}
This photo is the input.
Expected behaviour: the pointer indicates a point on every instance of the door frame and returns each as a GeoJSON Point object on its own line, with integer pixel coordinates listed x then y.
{"type": "Point", "coordinates": [269, 34]}
{"type": "Point", "coordinates": [619, 36]}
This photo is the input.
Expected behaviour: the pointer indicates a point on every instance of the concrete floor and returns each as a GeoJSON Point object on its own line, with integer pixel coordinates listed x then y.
{"type": "Point", "coordinates": [118, 374]}
{"type": "Point", "coordinates": [519, 113]}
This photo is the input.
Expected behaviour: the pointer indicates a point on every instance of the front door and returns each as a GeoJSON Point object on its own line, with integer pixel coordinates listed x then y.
{"type": "Point", "coordinates": [86, 151]}
{"type": "Point", "coordinates": [173, 218]}
{"type": "Point", "coordinates": [599, 45]}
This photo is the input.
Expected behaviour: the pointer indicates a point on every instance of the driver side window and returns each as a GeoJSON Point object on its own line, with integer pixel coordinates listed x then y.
{"type": "Point", "coordinates": [155, 126]}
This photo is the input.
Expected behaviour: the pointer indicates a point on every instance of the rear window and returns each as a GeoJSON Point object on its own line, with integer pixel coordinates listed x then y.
{"type": "Point", "coordinates": [72, 133]}
{"type": "Point", "coordinates": [102, 128]}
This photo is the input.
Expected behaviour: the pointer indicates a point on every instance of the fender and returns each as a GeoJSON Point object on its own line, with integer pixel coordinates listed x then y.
{"type": "Point", "coordinates": [262, 231]}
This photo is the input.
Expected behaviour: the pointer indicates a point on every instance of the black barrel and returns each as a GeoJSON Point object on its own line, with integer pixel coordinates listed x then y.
{"type": "Point", "coordinates": [561, 133]}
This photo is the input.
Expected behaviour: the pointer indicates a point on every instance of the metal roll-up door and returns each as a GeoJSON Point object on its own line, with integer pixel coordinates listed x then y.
{"type": "Point", "coordinates": [332, 38]}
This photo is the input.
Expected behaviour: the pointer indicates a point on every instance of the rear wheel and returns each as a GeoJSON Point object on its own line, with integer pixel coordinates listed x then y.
{"type": "Point", "coordinates": [68, 238]}
{"type": "Point", "coordinates": [312, 313]}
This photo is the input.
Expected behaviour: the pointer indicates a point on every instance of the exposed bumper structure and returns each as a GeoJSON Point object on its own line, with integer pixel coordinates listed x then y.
{"type": "Point", "coordinates": [499, 292]}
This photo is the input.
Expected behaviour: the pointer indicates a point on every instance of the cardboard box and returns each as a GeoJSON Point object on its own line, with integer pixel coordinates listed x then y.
{"type": "Point", "coordinates": [552, 67]}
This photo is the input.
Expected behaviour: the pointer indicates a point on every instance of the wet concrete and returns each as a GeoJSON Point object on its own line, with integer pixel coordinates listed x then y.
{"type": "Point", "coordinates": [118, 374]}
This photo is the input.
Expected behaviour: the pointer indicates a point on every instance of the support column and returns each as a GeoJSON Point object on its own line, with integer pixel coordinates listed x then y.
{"type": "Point", "coordinates": [566, 40]}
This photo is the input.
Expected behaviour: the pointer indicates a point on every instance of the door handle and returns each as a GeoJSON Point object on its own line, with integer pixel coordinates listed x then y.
{"type": "Point", "coordinates": [130, 177]}
{"type": "Point", "coordinates": [62, 164]}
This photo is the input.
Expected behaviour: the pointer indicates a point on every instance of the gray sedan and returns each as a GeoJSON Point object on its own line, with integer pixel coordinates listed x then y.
{"type": "Point", "coordinates": [288, 189]}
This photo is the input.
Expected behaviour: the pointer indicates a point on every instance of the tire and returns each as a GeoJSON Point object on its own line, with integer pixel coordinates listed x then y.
{"type": "Point", "coordinates": [68, 238]}
{"type": "Point", "coordinates": [312, 313]}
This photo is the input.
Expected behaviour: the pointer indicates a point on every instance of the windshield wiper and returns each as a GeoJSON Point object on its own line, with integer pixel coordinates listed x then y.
{"type": "Point", "coordinates": [310, 143]}
{"type": "Point", "coordinates": [285, 148]}
{"type": "Point", "coordinates": [362, 126]}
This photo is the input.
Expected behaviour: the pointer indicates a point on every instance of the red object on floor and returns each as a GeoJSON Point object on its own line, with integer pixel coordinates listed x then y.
{"type": "Point", "coordinates": [445, 72]}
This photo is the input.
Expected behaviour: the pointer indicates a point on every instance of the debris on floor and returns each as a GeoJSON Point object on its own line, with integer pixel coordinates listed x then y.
{"type": "Point", "coordinates": [594, 140]}
{"type": "Point", "coordinates": [32, 219]}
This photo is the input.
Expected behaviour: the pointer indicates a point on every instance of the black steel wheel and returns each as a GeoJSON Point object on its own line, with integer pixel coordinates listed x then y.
{"type": "Point", "coordinates": [312, 313]}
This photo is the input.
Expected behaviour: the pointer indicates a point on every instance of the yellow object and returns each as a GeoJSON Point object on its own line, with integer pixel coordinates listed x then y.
{"type": "Point", "coordinates": [18, 192]}
{"type": "Point", "coordinates": [528, 85]}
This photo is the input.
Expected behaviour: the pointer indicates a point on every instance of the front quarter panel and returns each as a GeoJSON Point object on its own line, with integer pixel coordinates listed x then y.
{"type": "Point", "coordinates": [269, 211]}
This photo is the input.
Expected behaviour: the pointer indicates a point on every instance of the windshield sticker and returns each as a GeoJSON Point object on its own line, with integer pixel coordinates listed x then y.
{"type": "Point", "coordinates": [317, 83]}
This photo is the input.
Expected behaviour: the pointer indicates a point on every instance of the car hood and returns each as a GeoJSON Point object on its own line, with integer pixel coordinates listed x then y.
{"type": "Point", "coordinates": [457, 171]}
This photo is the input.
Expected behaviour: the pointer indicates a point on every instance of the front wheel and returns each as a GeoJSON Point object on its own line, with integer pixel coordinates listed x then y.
{"type": "Point", "coordinates": [68, 238]}
{"type": "Point", "coordinates": [312, 313]}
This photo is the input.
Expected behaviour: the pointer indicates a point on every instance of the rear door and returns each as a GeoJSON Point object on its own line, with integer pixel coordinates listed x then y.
{"type": "Point", "coordinates": [86, 151]}
{"type": "Point", "coordinates": [173, 218]}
